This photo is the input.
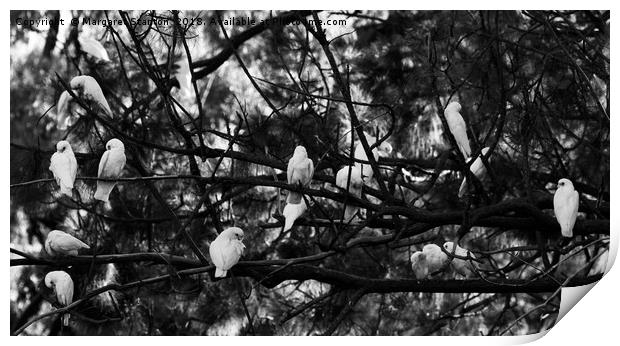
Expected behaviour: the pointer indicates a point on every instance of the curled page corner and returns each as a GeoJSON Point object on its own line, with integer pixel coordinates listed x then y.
{"type": "Point", "coordinates": [570, 296]}
{"type": "Point", "coordinates": [613, 249]}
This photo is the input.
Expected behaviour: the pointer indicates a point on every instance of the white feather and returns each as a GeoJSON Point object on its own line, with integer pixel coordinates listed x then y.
{"type": "Point", "coordinates": [59, 242]}
{"type": "Point", "coordinates": [566, 206]}
{"type": "Point", "coordinates": [226, 250]}
{"type": "Point", "coordinates": [93, 48]}
{"type": "Point", "coordinates": [458, 128]}
{"type": "Point", "coordinates": [90, 90]}
{"type": "Point", "coordinates": [292, 212]}
{"type": "Point", "coordinates": [110, 166]}
{"type": "Point", "coordinates": [64, 167]}
{"type": "Point", "coordinates": [62, 284]}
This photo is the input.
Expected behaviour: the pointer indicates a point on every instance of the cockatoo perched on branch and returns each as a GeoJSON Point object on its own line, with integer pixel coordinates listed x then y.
{"type": "Point", "coordinates": [93, 48]}
{"type": "Point", "coordinates": [299, 171]}
{"type": "Point", "coordinates": [477, 168]}
{"type": "Point", "coordinates": [64, 167]}
{"type": "Point", "coordinates": [292, 212]}
{"type": "Point", "coordinates": [59, 242]}
{"type": "Point", "coordinates": [62, 285]}
{"type": "Point", "coordinates": [110, 167]}
{"type": "Point", "coordinates": [355, 186]}
{"type": "Point", "coordinates": [461, 266]}
{"type": "Point", "coordinates": [383, 150]}
{"type": "Point", "coordinates": [435, 258]}
{"type": "Point", "coordinates": [566, 206]}
{"type": "Point", "coordinates": [458, 128]}
{"type": "Point", "coordinates": [419, 265]}
{"type": "Point", "coordinates": [88, 88]}
{"type": "Point", "coordinates": [226, 250]}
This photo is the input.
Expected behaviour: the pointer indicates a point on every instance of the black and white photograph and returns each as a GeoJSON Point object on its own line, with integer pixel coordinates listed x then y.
{"type": "Point", "coordinates": [306, 172]}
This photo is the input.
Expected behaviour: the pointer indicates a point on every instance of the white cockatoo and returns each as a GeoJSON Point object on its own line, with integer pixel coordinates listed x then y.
{"type": "Point", "coordinates": [93, 48]}
{"type": "Point", "coordinates": [62, 285]}
{"type": "Point", "coordinates": [88, 88]}
{"type": "Point", "coordinates": [110, 167]}
{"type": "Point", "coordinates": [63, 111]}
{"type": "Point", "coordinates": [226, 250]}
{"type": "Point", "coordinates": [382, 150]}
{"type": "Point", "coordinates": [461, 266]}
{"type": "Point", "coordinates": [435, 258]}
{"type": "Point", "coordinates": [355, 186]}
{"type": "Point", "coordinates": [565, 206]}
{"type": "Point", "coordinates": [292, 212]}
{"type": "Point", "coordinates": [477, 168]}
{"type": "Point", "coordinates": [59, 242]}
{"type": "Point", "coordinates": [64, 167]}
{"type": "Point", "coordinates": [458, 128]}
{"type": "Point", "coordinates": [419, 265]}
{"type": "Point", "coordinates": [300, 170]}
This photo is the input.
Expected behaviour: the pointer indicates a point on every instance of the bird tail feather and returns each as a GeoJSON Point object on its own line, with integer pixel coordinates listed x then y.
{"type": "Point", "coordinates": [288, 223]}
{"type": "Point", "coordinates": [67, 190]}
{"type": "Point", "coordinates": [567, 231]}
{"type": "Point", "coordinates": [103, 190]}
{"type": "Point", "coordinates": [220, 273]}
{"type": "Point", "coordinates": [291, 213]}
{"type": "Point", "coordinates": [465, 149]}
{"type": "Point", "coordinates": [65, 319]}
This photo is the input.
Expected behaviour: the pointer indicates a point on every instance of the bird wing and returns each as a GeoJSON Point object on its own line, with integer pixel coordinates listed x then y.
{"type": "Point", "coordinates": [308, 172]}
{"type": "Point", "coordinates": [229, 256]}
{"type": "Point", "coordinates": [103, 163]}
{"type": "Point", "coordinates": [67, 242]}
{"type": "Point", "coordinates": [60, 165]}
{"type": "Point", "coordinates": [566, 207]}
{"type": "Point", "coordinates": [574, 203]}
{"type": "Point", "coordinates": [215, 252]}
{"type": "Point", "coordinates": [341, 177]}
{"type": "Point", "coordinates": [289, 169]}
{"type": "Point", "coordinates": [117, 160]}
{"type": "Point", "coordinates": [73, 166]}
{"type": "Point", "coordinates": [93, 91]}
{"type": "Point", "coordinates": [112, 163]}
{"type": "Point", "coordinates": [457, 126]}
{"type": "Point", "coordinates": [65, 290]}
{"type": "Point", "coordinates": [93, 48]}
